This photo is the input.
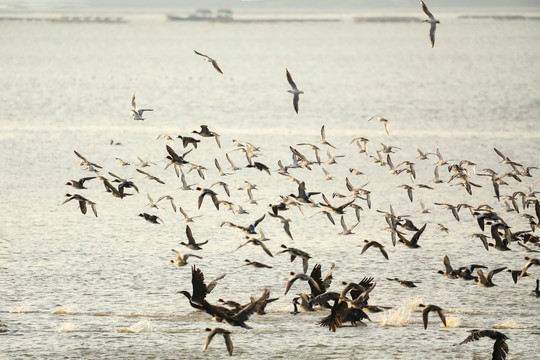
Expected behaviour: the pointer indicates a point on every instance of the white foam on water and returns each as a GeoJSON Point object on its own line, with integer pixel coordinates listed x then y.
{"type": "Point", "coordinates": [142, 326]}
{"type": "Point", "coordinates": [66, 327]}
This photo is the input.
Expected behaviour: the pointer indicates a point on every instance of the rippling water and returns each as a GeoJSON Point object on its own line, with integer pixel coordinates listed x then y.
{"type": "Point", "coordinates": [84, 287]}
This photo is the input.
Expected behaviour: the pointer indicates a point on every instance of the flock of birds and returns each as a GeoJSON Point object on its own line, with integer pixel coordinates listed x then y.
{"type": "Point", "coordinates": [351, 303]}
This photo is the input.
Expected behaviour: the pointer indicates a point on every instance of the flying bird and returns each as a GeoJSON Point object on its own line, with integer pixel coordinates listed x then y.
{"type": "Point", "coordinates": [210, 60]}
{"type": "Point", "coordinates": [500, 348]}
{"type": "Point", "coordinates": [294, 91]}
{"type": "Point", "coordinates": [226, 335]}
{"type": "Point", "coordinates": [136, 113]}
{"type": "Point", "coordinates": [431, 21]}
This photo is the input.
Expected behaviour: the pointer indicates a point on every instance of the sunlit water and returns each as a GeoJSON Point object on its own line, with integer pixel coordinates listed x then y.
{"type": "Point", "coordinates": [84, 287]}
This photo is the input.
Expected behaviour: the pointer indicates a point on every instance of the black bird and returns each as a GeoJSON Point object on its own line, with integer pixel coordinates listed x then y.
{"type": "Point", "coordinates": [406, 283]}
{"type": "Point", "coordinates": [233, 318]}
{"type": "Point", "coordinates": [199, 291]}
{"type": "Point", "coordinates": [341, 312]}
{"type": "Point", "coordinates": [151, 218]}
{"type": "Point", "coordinates": [226, 335]}
{"type": "Point", "coordinates": [536, 292]}
{"type": "Point", "coordinates": [186, 140]}
{"type": "Point", "coordinates": [247, 229]}
{"type": "Point", "coordinates": [79, 184]}
{"type": "Point", "coordinates": [82, 203]}
{"type": "Point", "coordinates": [338, 210]}
{"type": "Point", "coordinates": [413, 243]}
{"type": "Point", "coordinates": [205, 132]}
{"type": "Point", "coordinates": [174, 159]}
{"type": "Point", "coordinates": [427, 309]}
{"type": "Point", "coordinates": [209, 192]}
{"type": "Point", "coordinates": [259, 166]}
{"type": "Point", "coordinates": [500, 348]}
{"type": "Point", "coordinates": [303, 196]}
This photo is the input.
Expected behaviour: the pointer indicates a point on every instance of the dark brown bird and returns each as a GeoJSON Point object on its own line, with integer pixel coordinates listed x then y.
{"type": "Point", "coordinates": [500, 348]}
{"type": "Point", "coordinates": [226, 335]}
{"type": "Point", "coordinates": [427, 309]}
{"type": "Point", "coordinates": [151, 218]}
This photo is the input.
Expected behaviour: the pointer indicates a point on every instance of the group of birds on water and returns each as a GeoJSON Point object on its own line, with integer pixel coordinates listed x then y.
{"type": "Point", "coordinates": [351, 303]}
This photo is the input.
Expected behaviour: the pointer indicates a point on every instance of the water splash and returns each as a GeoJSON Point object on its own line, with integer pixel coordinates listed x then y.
{"type": "Point", "coordinates": [141, 326]}
{"type": "Point", "coordinates": [401, 315]}
{"type": "Point", "coordinates": [452, 322]}
{"type": "Point", "coordinates": [66, 327]}
{"type": "Point", "coordinates": [509, 324]}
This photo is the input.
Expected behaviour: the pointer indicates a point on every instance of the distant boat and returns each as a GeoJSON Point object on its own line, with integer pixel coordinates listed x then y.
{"type": "Point", "coordinates": [226, 15]}
{"type": "Point", "coordinates": [391, 19]}
{"type": "Point", "coordinates": [222, 15]}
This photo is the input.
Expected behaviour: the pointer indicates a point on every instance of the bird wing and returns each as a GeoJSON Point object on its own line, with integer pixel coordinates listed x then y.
{"type": "Point", "coordinates": [330, 217]}
{"type": "Point", "coordinates": [289, 284]}
{"type": "Point", "coordinates": [217, 165]}
{"type": "Point", "coordinates": [416, 236]}
{"type": "Point", "coordinates": [386, 128]}
{"type": "Point", "coordinates": [432, 33]}
{"type": "Point", "coordinates": [367, 246]}
{"type": "Point", "coordinates": [198, 53]}
{"type": "Point", "coordinates": [290, 80]}
{"type": "Point", "coordinates": [228, 343]}
{"type": "Point", "coordinates": [296, 97]}
{"type": "Point", "coordinates": [199, 287]}
{"type": "Point", "coordinates": [316, 276]}
{"type": "Point", "coordinates": [80, 156]}
{"type": "Point", "coordinates": [500, 349]}
{"type": "Point", "coordinates": [425, 314]}
{"type": "Point", "coordinates": [257, 222]}
{"type": "Point", "coordinates": [343, 225]}
{"type": "Point", "coordinates": [493, 272]}
{"type": "Point", "coordinates": [217, 67]}
{"type": "Point", "coordinates": [288, 232]}
{"type": "Point", "coordinates": [314, 283]}
{"type": "Point", "coordinates": [443, 318]}
{"type": "Point", "coordinates": [171, 152]}
{"type": "Point", "coordinates": [383, 251]}
{"type": "Point", "coordinates": [213, 283]}
{"type": "Point", "coordinates": [94, 209]}
{"type": "Point", "coordinates": [266, 249]}
{"type": "Point", "coordinates": [428, 13]}
{"type": "Point", "coordinates": [336, 317]}
{"type": "Point", "coordinates": [210, 336]}
{"type": "Point", "coordinates": [447, 265]}
{"type": "Point", "coordinates": [245, 313]}
{"type": "Point", "coordinates": [189, 235]}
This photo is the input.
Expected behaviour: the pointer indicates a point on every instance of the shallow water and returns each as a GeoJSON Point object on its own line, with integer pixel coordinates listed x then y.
{"type": "Point", "coordinates": [84, 287]}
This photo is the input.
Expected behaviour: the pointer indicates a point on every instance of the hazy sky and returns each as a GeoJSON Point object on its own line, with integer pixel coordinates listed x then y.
{"type": "Point", "coordinates": [262, 4]}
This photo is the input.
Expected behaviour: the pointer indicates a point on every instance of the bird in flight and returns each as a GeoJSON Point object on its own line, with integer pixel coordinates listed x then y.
{"type": "Point", "coordinates": [432, 21]}
{"type": "Point", "coordinates": [293, 91]}
{"type": "Point", "coordinates": [210, 60]}
{"type": "Point", "coordinates": [136, 113]}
